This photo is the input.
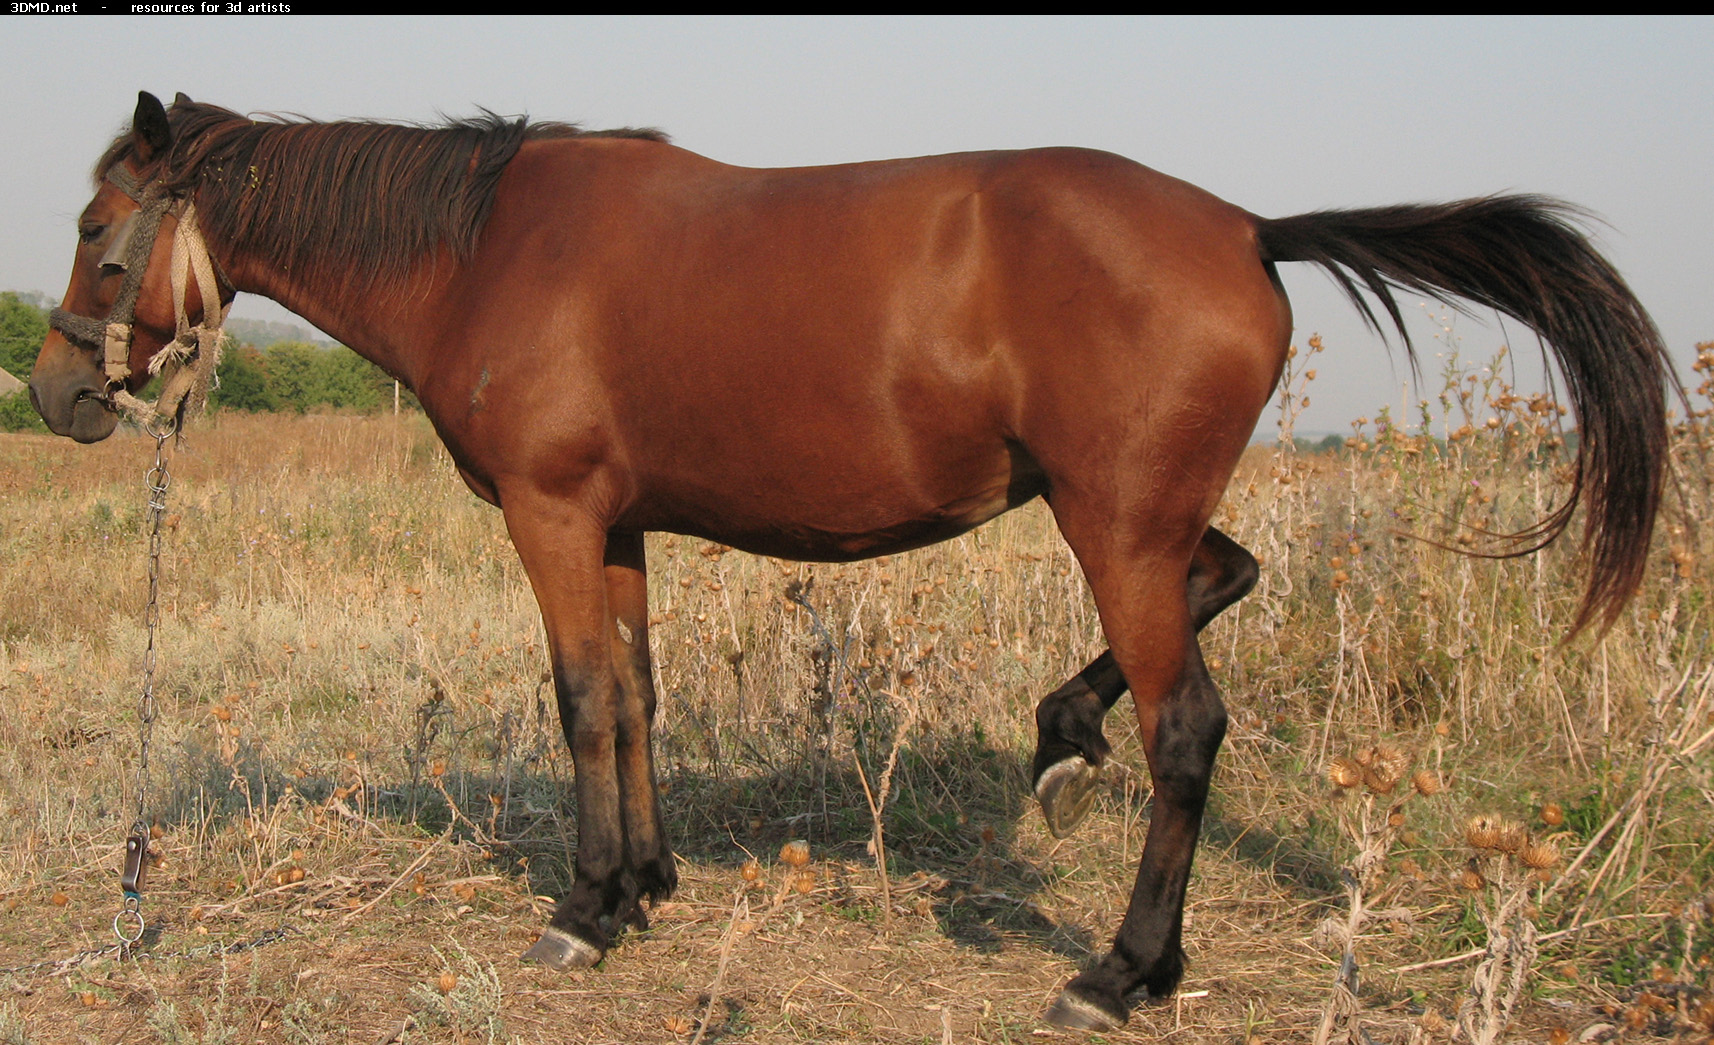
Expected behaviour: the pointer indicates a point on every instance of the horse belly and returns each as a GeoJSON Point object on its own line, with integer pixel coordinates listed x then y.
{"type": "Point", "coordinates": [845, 514]}
{"type": "Point", "coordinates": [815, 544]}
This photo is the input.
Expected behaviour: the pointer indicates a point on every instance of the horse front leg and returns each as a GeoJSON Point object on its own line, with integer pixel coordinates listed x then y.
{"type": "Point", "coordinates": [1070, 743]}
{"type": "Point", "coordinates": [648, 853]}
{"type": "Point", "coordinates": [564, 555]}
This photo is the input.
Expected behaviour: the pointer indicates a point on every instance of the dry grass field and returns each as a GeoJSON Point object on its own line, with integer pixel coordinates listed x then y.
{"type": "Point", "coordinates": [359, 784]}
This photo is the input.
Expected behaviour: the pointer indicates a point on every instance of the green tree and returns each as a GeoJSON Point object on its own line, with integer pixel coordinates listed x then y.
{"type": "Point", "coordinates": [353, 382]}
{"type": "Point", "coordinates": [294, 376]}
{"type": "Point", "coordinates": [22, 330]}
{"type": "Point", "coordinates": [243, 378]}
{"type": "Point", "coordinates": [298, 376]}
{"type": "Point", "coordinates": [17, 415]}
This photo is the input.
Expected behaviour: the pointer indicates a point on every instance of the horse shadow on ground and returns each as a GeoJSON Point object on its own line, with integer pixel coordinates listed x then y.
{"type": "Point", "coordinates": [951, 825]}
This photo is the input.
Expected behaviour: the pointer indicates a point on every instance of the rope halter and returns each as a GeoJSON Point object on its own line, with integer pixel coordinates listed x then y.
{"type": "Point", "coordinates": [190, 359]}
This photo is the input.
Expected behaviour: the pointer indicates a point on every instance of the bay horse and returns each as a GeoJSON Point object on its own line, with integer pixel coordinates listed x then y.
{"type": "Point", "coordinates": [613, 335]}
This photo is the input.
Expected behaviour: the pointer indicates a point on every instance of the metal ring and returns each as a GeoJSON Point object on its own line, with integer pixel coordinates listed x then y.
{"type": "Point", "coordinates": [134, 916]}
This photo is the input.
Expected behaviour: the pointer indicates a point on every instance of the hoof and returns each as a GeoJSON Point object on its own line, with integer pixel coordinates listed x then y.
{"type": "Point", "coordinates": [1066, 792]}
{"type": "Point", "coordinates": [562, 952]}
{"type": "Point", "coordinates": [1074, 1013]}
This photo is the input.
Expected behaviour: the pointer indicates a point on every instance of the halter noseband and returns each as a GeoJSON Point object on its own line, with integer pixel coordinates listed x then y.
{"type": "Point", "coordinates": [194, 352]}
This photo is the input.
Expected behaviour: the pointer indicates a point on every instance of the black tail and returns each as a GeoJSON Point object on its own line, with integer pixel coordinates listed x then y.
{"type": "Point", "coordinates": [1523, 256]}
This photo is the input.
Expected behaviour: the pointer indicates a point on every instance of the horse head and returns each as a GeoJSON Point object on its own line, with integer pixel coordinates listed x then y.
{"type": "Point", "coordinates": [124, 307]}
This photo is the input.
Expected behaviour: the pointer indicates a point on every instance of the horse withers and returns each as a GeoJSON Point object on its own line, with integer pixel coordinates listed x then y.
{"type": "Point", "coordinates": [613, 335]}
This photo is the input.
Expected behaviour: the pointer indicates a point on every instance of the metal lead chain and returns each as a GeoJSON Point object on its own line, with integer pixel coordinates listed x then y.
{"type": "Point", "coordinates": [128, 924]}
{"type": "Point", "coordinates": [123, 950]}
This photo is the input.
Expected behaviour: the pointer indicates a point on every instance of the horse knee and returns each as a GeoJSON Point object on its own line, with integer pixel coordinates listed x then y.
{"type": "Point", "coordinates": [633, 723]}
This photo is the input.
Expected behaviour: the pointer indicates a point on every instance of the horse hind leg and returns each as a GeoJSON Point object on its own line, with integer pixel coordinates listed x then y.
{"type": "Point", "coordinates": [1140, 591]}
{"type": "Point", "coordinates": [1070, 744]}
{"type": "Point", "coordinates": [1182, 733]}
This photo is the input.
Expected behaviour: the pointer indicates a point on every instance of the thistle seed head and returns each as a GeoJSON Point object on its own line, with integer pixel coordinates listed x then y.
{"type": "Point", "coordinates": [1539, 855]}
{"type": "Point", "coordinates": [1483, 832]}
{"type": "Point", "coordinates": [1344, 772]}
{"type": "Point", "coordinates": [795, 853]}
{"type": "Point", "coordinates": [1384, 766]}
{"type": "Point", "coordinates": [1378, 781]}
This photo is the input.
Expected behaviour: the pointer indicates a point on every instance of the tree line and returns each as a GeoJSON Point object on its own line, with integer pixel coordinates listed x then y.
{"type": "Point", "coordinates": [294, 376]}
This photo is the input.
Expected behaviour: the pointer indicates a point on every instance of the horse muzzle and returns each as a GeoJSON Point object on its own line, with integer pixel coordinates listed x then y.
{"type": "Point", "coordinates": [74, 405]}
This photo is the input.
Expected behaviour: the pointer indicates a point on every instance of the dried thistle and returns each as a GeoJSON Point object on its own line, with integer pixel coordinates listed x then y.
{"type": "Point", "coordinates": [1427, 783]}
{"type": "Point", "coordinates": [1384, 766]}
{"type": "Point", "coordinates": [1344, 772]}
{"type": "Point", "coordinates": [1374, 825]}
{"type": "Point", "coordinates": [1513, 837]}
{"type": "Point", "coordinates": [1394, 759]}
{"type": "Point", "coordinates": [1539, 855]}
{"type": "Point", "coordinates": [1377, 780]}
{"type": "Point", "coordinates": [1483, 832]}
{"type": "Point", "coordinates": [1499, 874]}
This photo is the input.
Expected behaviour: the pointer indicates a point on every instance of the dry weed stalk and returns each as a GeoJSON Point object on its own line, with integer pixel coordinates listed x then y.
{"type": "Point", "coordinates": [1506, 864]}
{"type": "Point", "coordinates": [1678, 716]}
{"type": "Point", "coordinates": [1380, 778]}
{"type": "Point", "coordinates": [734, 925]}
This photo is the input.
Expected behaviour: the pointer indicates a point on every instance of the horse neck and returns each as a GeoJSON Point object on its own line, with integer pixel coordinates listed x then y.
{"type": "Point", "coordinates": [381, 324]}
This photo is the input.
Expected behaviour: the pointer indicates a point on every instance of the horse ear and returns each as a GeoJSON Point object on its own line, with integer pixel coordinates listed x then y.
{"type": "Point", "coordinates": [150, 132]}
{"type": "Point", "coordinates": [182, 99]}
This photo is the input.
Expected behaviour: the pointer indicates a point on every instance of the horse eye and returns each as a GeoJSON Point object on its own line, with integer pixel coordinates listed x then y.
{"type": "Point", "coordinates": [91, 233]}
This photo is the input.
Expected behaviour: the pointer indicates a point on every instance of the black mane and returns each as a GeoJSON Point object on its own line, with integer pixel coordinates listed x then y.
{"type": "Point", "coordinates": [350, 200]}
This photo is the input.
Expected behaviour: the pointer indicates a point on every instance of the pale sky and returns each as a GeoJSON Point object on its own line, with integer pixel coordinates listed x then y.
{"type": "Point", "coordinates": [1279, 116]}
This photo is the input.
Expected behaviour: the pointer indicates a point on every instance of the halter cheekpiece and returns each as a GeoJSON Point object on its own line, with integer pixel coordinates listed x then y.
{"type": "Point", "coordinates": [189, 360]}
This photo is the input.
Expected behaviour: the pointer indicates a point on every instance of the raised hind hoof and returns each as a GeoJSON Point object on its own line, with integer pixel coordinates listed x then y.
{"type": "Point", "coordinates": [1066, 792]}
{"type": "Point", "coordinates": [1074, 1013]}
{"type": "Point", "coordinates": [562, 952]}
